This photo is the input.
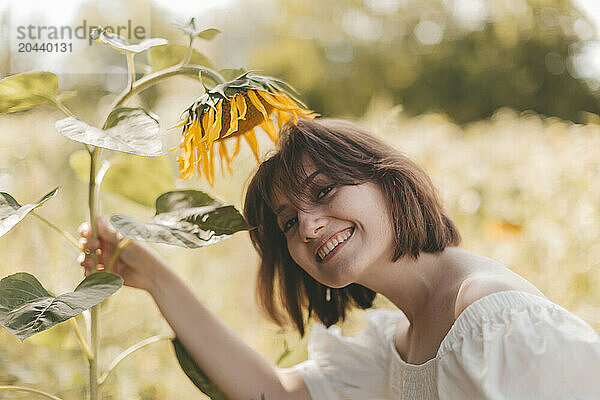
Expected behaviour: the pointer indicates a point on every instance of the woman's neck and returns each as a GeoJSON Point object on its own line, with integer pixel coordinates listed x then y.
{"type": "Point", "coordinates": [412, 285]}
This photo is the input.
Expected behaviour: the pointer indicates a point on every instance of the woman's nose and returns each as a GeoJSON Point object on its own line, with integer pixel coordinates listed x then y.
{"type": "Point", "coordinates": [310, 225]}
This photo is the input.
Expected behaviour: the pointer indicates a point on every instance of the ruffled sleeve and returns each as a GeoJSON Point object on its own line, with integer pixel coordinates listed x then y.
{"type": "Point", "coordinates": [340, 367]}
{"type": "Point", "coordinates": [515, 345]}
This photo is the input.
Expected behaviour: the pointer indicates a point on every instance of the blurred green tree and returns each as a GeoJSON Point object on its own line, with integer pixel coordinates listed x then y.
{"type": "Point", "coordinates": [465, 58]}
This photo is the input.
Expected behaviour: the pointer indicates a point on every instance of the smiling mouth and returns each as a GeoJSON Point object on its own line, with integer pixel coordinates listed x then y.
{"type": "Point", "coordinates": [327, 250]}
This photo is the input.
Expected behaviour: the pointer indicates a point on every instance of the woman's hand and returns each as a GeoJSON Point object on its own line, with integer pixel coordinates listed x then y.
{"type": "Point", "coordinates": [137, 263]}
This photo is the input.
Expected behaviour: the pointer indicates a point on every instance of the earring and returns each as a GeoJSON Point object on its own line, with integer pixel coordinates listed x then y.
{"type": "Point", "coordinates": [328, 294]}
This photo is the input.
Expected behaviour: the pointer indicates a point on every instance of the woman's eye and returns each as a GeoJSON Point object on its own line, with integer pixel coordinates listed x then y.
{"type": "Point", "coordinates": [323, 192]}
{"type": "Point", "coordinates": [289, 223]}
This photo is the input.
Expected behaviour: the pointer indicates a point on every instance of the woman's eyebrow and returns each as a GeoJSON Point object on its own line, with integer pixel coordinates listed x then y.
{"type": "Point", "coordinates": [311, 177]}
{"type": "Point", "coordinates": [279, 209]}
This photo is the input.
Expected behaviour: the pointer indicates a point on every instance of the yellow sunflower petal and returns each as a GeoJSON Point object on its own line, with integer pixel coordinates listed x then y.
{"type": "Point", "coordinates": [187, 173]}
{"type": "Point", "coordinates": [184, 166]}
{"type": "Point", "coordinates": [283, 99]}
{"type": "Point", "coordinates": [241, 106]}
{"type": "Point", "coordinates": [178, 125]}
{"type": "Point", "coordinates": [203, 165]}
{"type": "Point", "coordinates": [295, 109]}
{"type": "Point", "coordinates": [251, 139]}
{"type": "Point", "coordinates": [233, 120]}
{"type": "Point", "coordinates": [179, 146]}
{"type": "Point", "coordinates": [223, 154]}
{"type": "Point", "coordinates": [237, 147]}
{"type": "Point", "coordinates": [221, 159]}
{"type": "Point", "coordinates": [206, 167]}
{"type": "Point", "coordinates": [276, 103]}
{"type": "Point", "coordinates": [258, 104]}
{"type": "Point", "coordinates": [195, 131]}
{"type": "Point", "coordinates": [282, 118]}
{"type": "Point", "coordinates": [206, 124]}
{"type": "Point", "coordinates": [216, 127]}
{"type": "Point", "coordinates": [295, 116]}
{"type": "Point", "coordinates": [211, 166]}
{"type": "Point", "coordinates": [188, 146]}
{"type": "Point", "coordinates": [268, 127]}
{"type": "Point", "coordinates": [211, 124]}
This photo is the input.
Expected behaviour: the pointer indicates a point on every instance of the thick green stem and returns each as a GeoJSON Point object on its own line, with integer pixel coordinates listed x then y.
{"type": "Point", "coordinates": [30, 390]}
{"type": "Point", "coordinates": [130, 71]}
{"type": "Point", "coordinates": [94, 337]}
{"type": "Point", "coordinates": [152, 79]}
{"type": "Point", "coordinates": [95, 342]}
{"type": "Point", "coordinates": [188, 54]}
{"type": "Point", "coordinates": [92, 189]}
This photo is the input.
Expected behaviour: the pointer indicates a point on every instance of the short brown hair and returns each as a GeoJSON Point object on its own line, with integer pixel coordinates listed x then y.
{"type": "Point", "coordinates": [348, 155]}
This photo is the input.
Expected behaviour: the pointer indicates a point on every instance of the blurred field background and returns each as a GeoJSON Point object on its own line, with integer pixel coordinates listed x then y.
{"type": "Point", "coordinates": [497, 99]}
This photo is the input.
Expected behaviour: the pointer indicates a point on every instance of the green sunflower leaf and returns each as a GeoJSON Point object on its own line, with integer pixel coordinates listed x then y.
{"type": "Point", "coordinates": [27, 308]}
{"type": "Point", "coordinates": [121, 44]}
{"type": "Point", "coordinates": [185, 218]}
{"type": "Point", "coordinates": [183, 199]}
{"type": "Point", "coordinates": [23, 91]}
{"type": "Point", "coordinates": [127, 114]}
{"type": "Point", "coordinates": [139, 179]}
{"type": "Point", "coordinates": [195, 374]}
{"type": "Point", "coordinates": [169, 55]}
{"type": "Point", "coordinates": [208, 34]}
{"type": "Point", "coordinates": [193, 29]}
{"type": "Point", "coordinates": [11, 212]}
{"type": "Point", "coordinates": [129, 130]}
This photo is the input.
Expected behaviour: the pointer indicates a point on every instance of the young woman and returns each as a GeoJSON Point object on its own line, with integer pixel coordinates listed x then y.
{"type": "Point", "coordinates": [340, 216]}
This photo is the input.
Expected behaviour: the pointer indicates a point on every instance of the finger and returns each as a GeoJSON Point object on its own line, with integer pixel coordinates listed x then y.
{"type": "Point", "coordinates": [88, 262]}
{"type": "Point", "coordinates": [89, 244]}
{"type": "Point", "coordinates": [100, 256]}
{"type": "Point", "coordinates": [106, 231]}
{"type": "Point", "coordinates": [84, 229]}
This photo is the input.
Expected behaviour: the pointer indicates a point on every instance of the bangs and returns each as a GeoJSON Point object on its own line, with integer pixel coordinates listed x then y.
{"type": "Point", "coordinates": [307, 161]}
{"type": "Point", "coordinates": [300, 185]}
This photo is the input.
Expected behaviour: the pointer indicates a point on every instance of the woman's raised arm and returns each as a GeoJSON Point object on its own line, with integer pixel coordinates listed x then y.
{"type": "Point", "coordinates": [239, 371]}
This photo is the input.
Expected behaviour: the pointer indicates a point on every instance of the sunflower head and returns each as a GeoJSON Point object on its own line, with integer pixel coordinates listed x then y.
{"type": "Point", "coordinates": [232, 110]}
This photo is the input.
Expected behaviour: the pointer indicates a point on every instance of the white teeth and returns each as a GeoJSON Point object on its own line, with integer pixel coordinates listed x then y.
{"type": "Point", "coordinates": [332, 243]}
{"type": "Point", "coordinates": [321, 254]}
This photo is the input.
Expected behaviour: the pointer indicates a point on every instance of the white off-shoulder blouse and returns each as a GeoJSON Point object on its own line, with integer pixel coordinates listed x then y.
{"type": "Point", "coordinates": [506, 345]}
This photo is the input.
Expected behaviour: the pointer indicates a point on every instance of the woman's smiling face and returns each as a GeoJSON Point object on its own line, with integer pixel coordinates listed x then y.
{"type": "Point", "coordinates": [341, 234]}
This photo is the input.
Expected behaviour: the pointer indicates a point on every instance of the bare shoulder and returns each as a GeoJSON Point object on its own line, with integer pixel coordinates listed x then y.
{"type": "Point", "coordinates": [480, 285]}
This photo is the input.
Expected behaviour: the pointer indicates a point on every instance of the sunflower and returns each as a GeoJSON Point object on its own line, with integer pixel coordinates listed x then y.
{"type": "Point", "coordinates": [232, 110]}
